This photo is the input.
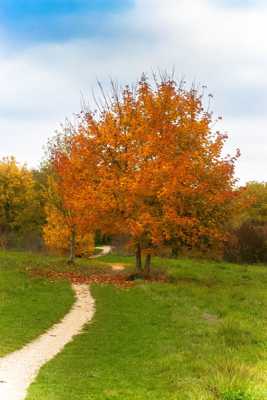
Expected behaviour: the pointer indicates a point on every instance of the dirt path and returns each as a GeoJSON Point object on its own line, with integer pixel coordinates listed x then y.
{"type": "Point", "coordinates": [117, 267]}
{"type": "Point", "coordinates": [105, 250]}
{"type": "Point", "coordinates": [18, 369]}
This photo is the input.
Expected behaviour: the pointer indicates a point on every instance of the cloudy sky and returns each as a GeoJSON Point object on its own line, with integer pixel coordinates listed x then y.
{"type": "Point", "coordinates": [51, 51]}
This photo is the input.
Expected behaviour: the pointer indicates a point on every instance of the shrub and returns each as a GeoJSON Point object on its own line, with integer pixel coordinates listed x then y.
{"type": "Point", "coordinates": [248, 243]}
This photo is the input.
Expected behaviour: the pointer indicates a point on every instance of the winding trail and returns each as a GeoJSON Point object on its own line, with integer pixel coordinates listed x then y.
{"type": "Point", "coordinates": [105, 250]}
{"type": "Point", "coordinates": [19, 369]}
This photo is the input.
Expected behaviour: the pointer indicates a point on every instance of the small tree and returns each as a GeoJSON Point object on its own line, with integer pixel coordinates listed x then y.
{"type": "Point", "coordinates": [58, 236]}
{"type": "Point", "coordinates": [67, 211]}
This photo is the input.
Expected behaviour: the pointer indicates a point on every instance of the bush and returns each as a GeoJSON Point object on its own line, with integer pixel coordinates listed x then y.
{"type": "Point", "coordinates": [248, 243]}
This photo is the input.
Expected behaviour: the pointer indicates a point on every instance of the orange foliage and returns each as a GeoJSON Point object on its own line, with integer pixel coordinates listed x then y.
{"type": "Point", "coordinates": [65, 227]}
{"type": "Point", "coordinates": [149, 166]}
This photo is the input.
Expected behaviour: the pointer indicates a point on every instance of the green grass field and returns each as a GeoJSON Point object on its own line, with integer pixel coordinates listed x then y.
{"type": "Point", "coordinates": [28, 307]}
{"type": "Point", "coordinates": [202, 336]}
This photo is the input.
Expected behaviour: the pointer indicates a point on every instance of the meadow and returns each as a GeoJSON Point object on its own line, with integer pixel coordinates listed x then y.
{"type": "Point", "coordinates": [199, 335]}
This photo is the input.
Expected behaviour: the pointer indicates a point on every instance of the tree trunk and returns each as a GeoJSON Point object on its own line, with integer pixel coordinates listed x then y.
{"type": "Point", "coordinates": [72, 246]}
{"type": "Point", "coordinates": [148, 265]}
{"type": "Point", "coordinates": [138, 258]}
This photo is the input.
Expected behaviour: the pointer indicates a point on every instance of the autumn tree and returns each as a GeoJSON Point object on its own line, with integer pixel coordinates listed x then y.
{"type": "Point", "coordinates": [257, 209]}
{"type": "Point", "coordinates": [57, 233]}
{"type": "Point", "coordinates": [68, 217]}
{"type": "Point", "coordinates": [149, 166]}
{"type": "Point", "coordinates": [20, 205]}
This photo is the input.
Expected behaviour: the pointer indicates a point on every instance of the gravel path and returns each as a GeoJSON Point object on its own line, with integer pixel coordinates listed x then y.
{"type": "Point", "coordinates": [18, 369]}
{"type": "Point", "coordinates": [104, 251]}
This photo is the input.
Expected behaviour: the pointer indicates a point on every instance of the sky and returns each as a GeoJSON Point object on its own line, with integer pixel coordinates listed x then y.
{"type": "Point", "coordinates": [52, 52]}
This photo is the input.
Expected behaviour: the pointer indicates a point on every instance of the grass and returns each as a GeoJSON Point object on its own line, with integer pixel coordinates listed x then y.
{"type": "Point", "coordinates": [28, 306]}
{"type": "Point", "coordinates": [201, 337]}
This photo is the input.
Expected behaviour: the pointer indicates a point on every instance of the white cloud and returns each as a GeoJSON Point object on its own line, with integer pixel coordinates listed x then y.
{"type": "Point", "coordinates": [250, 136]}
{"type": "Point", "coordinates": [213, 44]}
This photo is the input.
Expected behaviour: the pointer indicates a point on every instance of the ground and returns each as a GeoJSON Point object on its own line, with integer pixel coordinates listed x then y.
{"type": "Point", "coordinates": [25, 306]}
{"type": "Point", "coordinates": [200, 336]}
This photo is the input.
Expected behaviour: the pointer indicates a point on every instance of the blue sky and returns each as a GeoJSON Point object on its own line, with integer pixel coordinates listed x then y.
{"type": "Point", "coordinates": [18, 10]}
{"type": "Point", "coordinates": [28, 21]}
{"type": "Point", "coordinates": [52, 51]}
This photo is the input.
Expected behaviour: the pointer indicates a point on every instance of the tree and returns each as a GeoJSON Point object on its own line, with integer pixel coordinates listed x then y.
{"type": "Point", "coordinates": [149, 166]}
{"type": "Point", "coordinates": [58, 235]}
{"type": "Point", "coordinates": [257, 210]}
{"type": "Point", "coordinates": [20, 206]}
{"type": "Point", "coordinates": [67, 214]}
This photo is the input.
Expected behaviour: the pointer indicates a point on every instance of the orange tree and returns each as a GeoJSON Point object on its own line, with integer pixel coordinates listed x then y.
{"type": "Point", "coordinates": [150, 167]}
{"type": "Point", "coordinates": [70, 219]}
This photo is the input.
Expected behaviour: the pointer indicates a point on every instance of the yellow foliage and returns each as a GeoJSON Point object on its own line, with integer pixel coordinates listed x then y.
{"type": "Point", "coordinates": [18, 199]}
{"type": "Point", "coordinates": [57, 235]}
